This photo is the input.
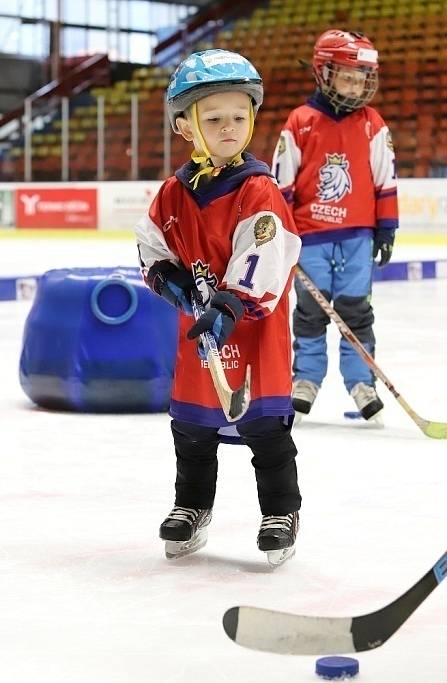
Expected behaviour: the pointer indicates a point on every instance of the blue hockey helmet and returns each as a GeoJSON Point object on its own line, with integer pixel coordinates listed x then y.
{"type": "Point", "coordinates": [209, 72]}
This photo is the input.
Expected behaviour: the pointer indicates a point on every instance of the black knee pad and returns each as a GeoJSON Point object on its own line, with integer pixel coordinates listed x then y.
{"type": "Point", "coordinates": [358, 314]}
{"type": "Point", "coordinates": [309, 319]}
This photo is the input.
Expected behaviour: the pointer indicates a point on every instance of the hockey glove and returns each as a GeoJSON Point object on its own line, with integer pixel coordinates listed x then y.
{"type": "Point", "coordinates": [220, 319]}
{"type": "Point", "coordinates": [383, 242]}
{"type": "Point", "coordinates": [172, 283]}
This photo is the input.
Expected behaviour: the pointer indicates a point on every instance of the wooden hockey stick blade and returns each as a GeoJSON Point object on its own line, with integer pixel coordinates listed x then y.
{"type": "Point", "coordinates": [294, 634]}
{"type": "Point", "coordinates": [435, 430]}
{"type": "Point", "coordinates": [235, 402]}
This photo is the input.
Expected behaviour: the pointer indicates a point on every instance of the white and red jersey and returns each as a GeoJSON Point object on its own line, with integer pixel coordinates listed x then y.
{"type": "Point", "coordinates": [234, 232]}
{"type": "Point", "coordinates": [336, 172]}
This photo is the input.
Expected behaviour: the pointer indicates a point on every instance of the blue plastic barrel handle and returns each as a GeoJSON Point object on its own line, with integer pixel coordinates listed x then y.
{"type": "Point", "coordinates": [115, 279]}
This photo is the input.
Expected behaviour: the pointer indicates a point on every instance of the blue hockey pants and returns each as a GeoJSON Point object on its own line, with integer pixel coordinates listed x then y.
{"type": "Point", "coordinates": [342, 271]}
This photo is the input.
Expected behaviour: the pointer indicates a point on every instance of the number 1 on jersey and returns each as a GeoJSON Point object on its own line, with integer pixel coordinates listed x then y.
{"type": "Point", "coordinates": [247, 280]}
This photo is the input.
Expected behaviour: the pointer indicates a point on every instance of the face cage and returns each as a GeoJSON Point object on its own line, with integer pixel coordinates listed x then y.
{"type": "Point", "coordinates": [342, 102]}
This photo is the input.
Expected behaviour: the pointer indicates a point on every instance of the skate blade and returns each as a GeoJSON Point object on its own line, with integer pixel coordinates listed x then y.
{"type": "Point", "coordinates": [377, 420]}
{"type": "Point", "coordinates": [177, 549]}
{"type": "Point", "coordinates": [276, 558]}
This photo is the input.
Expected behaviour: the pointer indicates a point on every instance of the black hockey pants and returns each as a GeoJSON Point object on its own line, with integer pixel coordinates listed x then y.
{"type": "Point", "coordinates": [273, 451]}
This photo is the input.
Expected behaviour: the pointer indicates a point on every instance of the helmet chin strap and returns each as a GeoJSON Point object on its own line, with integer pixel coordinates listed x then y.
{"type": "Point", "coordinates": [204, 158]}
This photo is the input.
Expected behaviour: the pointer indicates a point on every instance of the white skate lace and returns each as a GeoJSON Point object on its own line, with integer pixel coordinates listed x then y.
{"type": "Point", "coordinates": [277, 521]}
{"type": "Point", "coordinates": [181, 514]}
{"type": "Point", "coordinates": [305, 390]}
{"type": "Point", "coordinates": [363, 394]}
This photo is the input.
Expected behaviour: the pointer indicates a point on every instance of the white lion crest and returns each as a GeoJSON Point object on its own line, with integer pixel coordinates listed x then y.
{"type": "Point", "coordinates": [335, 180]}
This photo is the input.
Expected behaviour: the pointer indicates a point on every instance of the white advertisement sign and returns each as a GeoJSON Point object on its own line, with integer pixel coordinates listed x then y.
{"type": "Point", "coordinates": [423, 205]}
{"type": "Point", "coordinates": [121, 204]}
{"type": "Point", "coordinates": [7, 213]}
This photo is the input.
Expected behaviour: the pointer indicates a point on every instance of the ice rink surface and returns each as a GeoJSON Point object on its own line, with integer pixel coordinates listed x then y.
{"type": "Point", "coordinates": [87, 595]}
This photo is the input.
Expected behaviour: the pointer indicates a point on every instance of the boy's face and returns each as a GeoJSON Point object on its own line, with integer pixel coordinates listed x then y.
{"type": "Point", "coordinates": [349, 82]}
{"type": "Point", "coordinates": [224, 120]}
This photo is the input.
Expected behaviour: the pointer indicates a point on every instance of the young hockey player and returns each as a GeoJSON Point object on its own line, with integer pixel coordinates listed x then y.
{"type": "Point", "coordinates": [335, 165]}
{"type": "Point", "coordinates": [221, 225]}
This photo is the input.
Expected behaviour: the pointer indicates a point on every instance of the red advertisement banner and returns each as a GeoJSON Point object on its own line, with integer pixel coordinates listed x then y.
{"type": "Point", "coordinates": [56, 208]}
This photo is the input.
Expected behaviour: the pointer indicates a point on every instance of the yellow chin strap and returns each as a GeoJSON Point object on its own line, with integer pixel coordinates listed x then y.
{"type": "Point", "coordinates": [204, 159]}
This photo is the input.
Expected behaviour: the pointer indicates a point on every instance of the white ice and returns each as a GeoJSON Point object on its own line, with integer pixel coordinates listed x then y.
{"type": "Point", "coordinates": [87, 595]}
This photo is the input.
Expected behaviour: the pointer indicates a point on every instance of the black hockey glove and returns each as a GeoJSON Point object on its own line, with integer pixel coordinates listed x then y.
{"type": "Point", "coordinates": [220, 319]}
{"type": "Point", "coordinates": [172, 283]}
{"type": "Point", "coordinates": [383, 242]}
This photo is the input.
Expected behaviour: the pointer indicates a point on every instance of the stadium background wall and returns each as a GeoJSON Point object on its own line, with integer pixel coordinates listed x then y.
{"type": "Point", "coordinates": [116, 206]}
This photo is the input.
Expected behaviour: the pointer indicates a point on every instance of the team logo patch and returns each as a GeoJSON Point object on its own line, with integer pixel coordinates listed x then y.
{"type": "Point", "coordinates": [335, 181]}
{"type": "Point", "coordinates": [265, 230]}
{"type": "Point", "coordinates": [206, 282]}
{"type": "Point", "coordinates": [389, 142]}
{"type": "Point", "coordinates": [281, 145]}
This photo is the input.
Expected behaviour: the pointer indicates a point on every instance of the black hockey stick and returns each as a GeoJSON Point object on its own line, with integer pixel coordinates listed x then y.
{"type": "Point", "coordinates": [295, 634]}
{"type": "Point", "coordinates": [436, 430]}
{"type": "Point", "coordinates": [234, 403]}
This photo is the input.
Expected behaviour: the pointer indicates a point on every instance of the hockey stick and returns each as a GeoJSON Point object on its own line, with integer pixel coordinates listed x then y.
{"type": "Point", "coordinates": [436, 430]}
{"type": "Point", "coordinates": [234, 403]}
{"type": "Point", "coordinates": [295, 634]}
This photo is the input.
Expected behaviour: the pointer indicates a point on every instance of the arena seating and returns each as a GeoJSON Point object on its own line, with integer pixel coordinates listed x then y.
{"type": "Point", "coordinates": [409, 34]}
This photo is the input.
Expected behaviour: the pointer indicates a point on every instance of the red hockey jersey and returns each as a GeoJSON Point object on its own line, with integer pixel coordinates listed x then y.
{"type": "Point", "coordinates": [337, 172]}
{"type": "Point", "coordinates": [234, 232]}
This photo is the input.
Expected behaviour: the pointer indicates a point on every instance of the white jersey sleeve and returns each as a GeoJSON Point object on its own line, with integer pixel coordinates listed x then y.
{"type": "Point", "coordinates": [286, 163]}
{"type": "Point", "coordinates": [382, 160]}
{"type": "Point", "coordinates": [151, 244]}
{"type": "Point", "coordinates": [264, 252]}
{"type": "Point", "coordinates": [383, 170]}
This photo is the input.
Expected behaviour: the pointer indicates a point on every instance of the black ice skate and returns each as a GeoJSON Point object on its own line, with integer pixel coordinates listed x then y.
{"type": "Point", "coordinates": [368, 403]}
{"type": "Point", "coordinates": [277, 536]}
{"type": "Point", "coordinates": [185, 530]}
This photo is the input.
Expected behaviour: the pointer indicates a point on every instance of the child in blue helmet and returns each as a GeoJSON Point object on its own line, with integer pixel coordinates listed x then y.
{"type": "Point", "coordinates": [221, 225]}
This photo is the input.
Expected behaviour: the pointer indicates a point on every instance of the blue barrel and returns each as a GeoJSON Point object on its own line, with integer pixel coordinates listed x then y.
{"type": "Point", "coordinates": [97, 340]}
